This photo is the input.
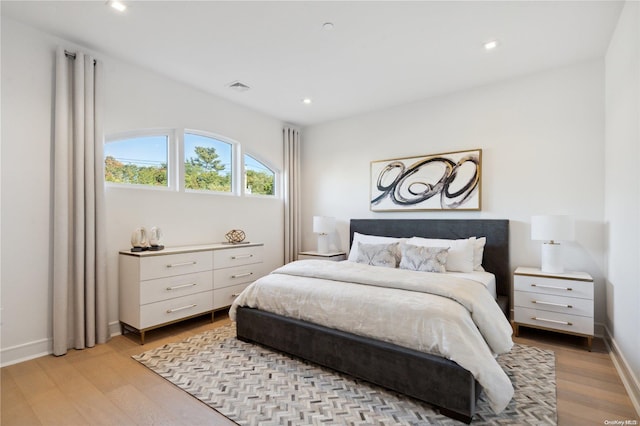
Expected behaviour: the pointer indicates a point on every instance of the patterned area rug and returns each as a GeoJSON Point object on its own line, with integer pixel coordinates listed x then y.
{"type": "Point", "coordinates": [252, 385]}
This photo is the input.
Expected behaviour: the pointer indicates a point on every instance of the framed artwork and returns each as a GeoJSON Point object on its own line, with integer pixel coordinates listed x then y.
{"type": "Point", "coordinates": [449, 181]}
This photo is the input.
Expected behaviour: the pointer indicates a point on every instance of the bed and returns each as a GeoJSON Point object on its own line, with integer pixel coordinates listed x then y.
{"type": "Point", "coordinates": [432, 378]}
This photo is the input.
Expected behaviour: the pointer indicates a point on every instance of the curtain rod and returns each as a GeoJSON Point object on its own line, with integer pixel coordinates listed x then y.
{"type": "Point", "coordinates": [72, 55]}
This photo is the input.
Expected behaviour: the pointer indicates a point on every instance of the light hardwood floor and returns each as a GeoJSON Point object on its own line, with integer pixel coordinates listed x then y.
{"type": "Point", "coordinates": [105, 386]}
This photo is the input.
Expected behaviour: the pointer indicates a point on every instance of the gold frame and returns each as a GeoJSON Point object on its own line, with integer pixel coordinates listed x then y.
{"type": "Point", "coordinates": [404, 175]}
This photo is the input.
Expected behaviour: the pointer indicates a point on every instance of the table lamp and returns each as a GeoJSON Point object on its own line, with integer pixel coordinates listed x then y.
{"type": "Point", "coordinates": [551, 229]}
{"type": "Point", "coordinates": [323, 226]}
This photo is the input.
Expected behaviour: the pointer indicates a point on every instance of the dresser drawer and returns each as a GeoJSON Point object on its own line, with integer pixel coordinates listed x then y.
{"type": "Point", "coordinates": [557, 286]}
{"type": "Point", "coordinates": [165, 311]}
{"type": "Point", "coordinates": [553, 303]}
{"type": "Point", "coordinates": [237, 256]}
{"type": "Point", "coordinates": [225, 296]}
{"type": "Point", "coordinates": [554, 320]}
{"type": "Point", "coordinates": [237, 275]}
{"type": "Point", "coordinates": [175, 264]}
{"type": "Point", "coordinates": [176, 286]}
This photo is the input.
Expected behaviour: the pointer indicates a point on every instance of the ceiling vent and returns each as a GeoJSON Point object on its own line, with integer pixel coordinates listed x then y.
{"type": "Point", "coordinates": [238, 86]}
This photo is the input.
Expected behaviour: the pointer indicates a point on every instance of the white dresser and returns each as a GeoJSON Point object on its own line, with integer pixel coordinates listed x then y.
{"type": "Point", "coordinates": [161, 287]}
{"type": "Point", "coordinates": [557, 302]}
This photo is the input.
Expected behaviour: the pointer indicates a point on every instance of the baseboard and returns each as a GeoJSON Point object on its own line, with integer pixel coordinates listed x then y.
{"type": "Point", "coordinates": [629, 380]}
{"type": "Point", "coordinates": [38, 348]}
{"type": "Point", "coordinates": [25, 352]}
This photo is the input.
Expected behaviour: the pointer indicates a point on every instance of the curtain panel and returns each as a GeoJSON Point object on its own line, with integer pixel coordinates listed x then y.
{"type": "Point", "coordinates": [79, 254]}
{"type": "Point", "coordinates": [292, 236]}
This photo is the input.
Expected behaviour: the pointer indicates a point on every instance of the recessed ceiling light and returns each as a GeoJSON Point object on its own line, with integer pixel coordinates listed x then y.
{"type": "Point", "coordinates": [490, 45]}
{"type": "Point", "coordinates": [327, 26]}
{"type": "Point", "coordinates": [117, 5]}
{"type": "Point", "coordinates": [306, 101]}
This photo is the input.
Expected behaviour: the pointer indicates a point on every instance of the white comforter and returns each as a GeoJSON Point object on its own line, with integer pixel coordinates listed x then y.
{"type": "Point", "coordinates": [452, 317]}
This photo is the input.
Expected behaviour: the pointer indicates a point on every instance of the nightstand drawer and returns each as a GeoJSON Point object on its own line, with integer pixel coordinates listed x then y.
{"type": "Point", "coordinates": [557, 286]}
{"type": "Point", "coordinates": [177, 286]}
{"type": "Point", "coordinates": [237, 275]}
{"type": "Point", "coordinates": [553, 303]}
{"type": "Point", "coordinates": [225, 296]}
{"type": "Point", "coordinates": [554, 320]}
{"type": "Point", "coordinates": [237, 256]}
{"type": "Point", "coordinates": [175, 309]}
{"type": "Point", "coordinates": [175, 264]}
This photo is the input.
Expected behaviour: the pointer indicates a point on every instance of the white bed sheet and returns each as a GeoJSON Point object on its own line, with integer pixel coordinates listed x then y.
{"type": "Point", "coordinates": [483, 277]}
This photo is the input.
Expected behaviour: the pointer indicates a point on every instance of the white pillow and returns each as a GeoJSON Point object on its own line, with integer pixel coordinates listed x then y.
{"type": "Point", "coordinates": [372, 239]}
{"type": "Point", "coordinates": [460, 257]}
{"type": "Point", "coordinates": [478, 252]}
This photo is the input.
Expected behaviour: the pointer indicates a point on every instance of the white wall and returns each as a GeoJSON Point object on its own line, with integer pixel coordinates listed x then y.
{"type": "Point", "coordinates": [622, 200]}
{"type": "Point", "coordinates": [136, 98]}
{"type": "Point", "coordinates": [542, 141]}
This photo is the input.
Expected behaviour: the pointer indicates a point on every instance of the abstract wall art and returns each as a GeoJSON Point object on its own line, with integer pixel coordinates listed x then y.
{"type": "Point", "coordinates": [449, 181]}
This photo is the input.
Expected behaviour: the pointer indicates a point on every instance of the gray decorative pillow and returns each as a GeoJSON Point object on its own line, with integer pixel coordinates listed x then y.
{"type": "Point", "coordinates": [377, 254]}
{"type": "Point", "coordinates": [425, 259]}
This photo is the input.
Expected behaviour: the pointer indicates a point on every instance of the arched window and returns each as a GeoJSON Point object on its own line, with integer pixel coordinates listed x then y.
{"type": "Point", "coordinates": [259, 178]}
{"type": "Point", "coordinates": [208, 163]}
{"type": "Point", "coordinates": [138, 159]}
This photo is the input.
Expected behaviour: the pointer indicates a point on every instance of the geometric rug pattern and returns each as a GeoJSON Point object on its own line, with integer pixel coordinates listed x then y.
{"type": "Point", "coordinates": [253, 385]}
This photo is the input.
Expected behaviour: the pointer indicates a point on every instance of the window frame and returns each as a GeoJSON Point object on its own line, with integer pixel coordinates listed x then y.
{"type": "Point", "coordinates": [235, 153]}
{"type": "Point", "coordinates": [171, 157]}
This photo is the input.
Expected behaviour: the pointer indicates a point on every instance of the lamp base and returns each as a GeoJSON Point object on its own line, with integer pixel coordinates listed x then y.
{"type": "Point", "coordinates": [323, 243]}
{"type": "Point", "coordinates": [552, 258]}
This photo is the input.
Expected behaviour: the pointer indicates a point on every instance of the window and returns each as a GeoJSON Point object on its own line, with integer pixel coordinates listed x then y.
{"type": "Point", "coordinates": [138, 160]}
{"type": "Point", "coordinates": [259, 179]}
{"type": "Point", "coordinates": [207, 163]}
{"type": "Point", "coordinates": [185, 160]}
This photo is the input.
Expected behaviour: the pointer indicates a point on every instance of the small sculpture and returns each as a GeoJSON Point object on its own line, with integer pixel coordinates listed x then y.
{"type": "Point", "coordinates": [154, 239]}
{"type": "Point", "coordinates": [139, 240]}
{"type": "Point", "coordinates": [235, 236]}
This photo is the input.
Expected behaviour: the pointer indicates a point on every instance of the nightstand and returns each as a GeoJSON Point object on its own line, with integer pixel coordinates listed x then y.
{"type": "Point", "coordinates": [336, 256]}
{"type": "Point", "coordinates": [556, 302]}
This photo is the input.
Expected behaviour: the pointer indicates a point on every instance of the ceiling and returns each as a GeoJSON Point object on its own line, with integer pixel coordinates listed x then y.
{"type": "Point", "coordinates": [378, 54]}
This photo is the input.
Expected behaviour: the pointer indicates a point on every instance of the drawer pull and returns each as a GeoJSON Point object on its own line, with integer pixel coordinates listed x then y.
{"type": "Point", "coordinates": [241, 256]}
{"type": "Point", "coordinates": [182, 308]}
{"type": "Point", "coordinates": [174, 265]}
{"type": "Point", "coordinates": [552, 286]}
{"type": "Point", "coordinates": [234, 295]}
{"type": "Point", "coordinates": [550, 320]}
{"type": "Point", "coordinates": [176, 287]}
{"type": "Point", "coordinates": [539, 302]}
{"type": "Point", "coordinates": [246, 274]}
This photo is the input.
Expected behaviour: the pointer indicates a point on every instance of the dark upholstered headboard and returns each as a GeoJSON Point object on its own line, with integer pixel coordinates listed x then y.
{"type": "Point", "coordinates": [496, 250]}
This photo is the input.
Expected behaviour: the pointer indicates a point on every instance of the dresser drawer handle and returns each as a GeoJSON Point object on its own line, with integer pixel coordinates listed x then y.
{"type": "Point", "coordinates": [182, 308]}
{"type": "Point", "coordinates": [539, 302]}
{"type": "Point", "coordinates": [550, 320]}
{"type": "Point", "coordinates": [241, 256]}
{"type": "Point", "coordinates": [176, 287]}
{"type": "Point", "coordinates": [234, 295]}
{"type": "Point", "coordinates": [174, 265]}
{"type": "Point", "coordinates": [552, 286]}
{"type": "Point", "coordinates": [246, 274]}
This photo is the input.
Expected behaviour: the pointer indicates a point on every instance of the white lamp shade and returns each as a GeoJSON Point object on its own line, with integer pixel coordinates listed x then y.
{"type": "Point", "coordinates": [323, 224]}
{"type": "Point", "coordinates": [552, 228]}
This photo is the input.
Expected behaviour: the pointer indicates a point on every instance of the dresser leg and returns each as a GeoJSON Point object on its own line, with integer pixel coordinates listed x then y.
{"type": "Point", "coordinates": [142, 337]}
{"type": "Point", "coordinates": [516, 329]}
{"type": "Point", "coordinates": [589, 342]}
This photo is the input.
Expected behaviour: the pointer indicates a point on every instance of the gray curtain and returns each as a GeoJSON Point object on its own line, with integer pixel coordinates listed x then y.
{"type": "Point", "coordinates": [79, 256]}
{"type": "Point", "coordinates": [291, 194]}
